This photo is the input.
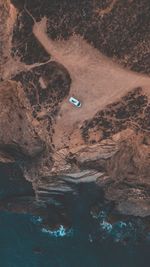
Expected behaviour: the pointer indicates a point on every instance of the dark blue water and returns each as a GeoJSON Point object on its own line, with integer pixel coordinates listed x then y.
{"type": "Point", "coordinates": [91, 241]}
{"type": "Point", "coordinates": [22, 244]}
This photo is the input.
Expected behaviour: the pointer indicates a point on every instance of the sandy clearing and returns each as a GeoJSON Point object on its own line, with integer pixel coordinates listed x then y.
{"type": "Point", "coordinates": [96, 80]}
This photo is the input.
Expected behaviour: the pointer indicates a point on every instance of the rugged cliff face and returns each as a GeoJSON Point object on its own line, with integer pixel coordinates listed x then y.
{"type": "Point", "coordinates": [54, 51]}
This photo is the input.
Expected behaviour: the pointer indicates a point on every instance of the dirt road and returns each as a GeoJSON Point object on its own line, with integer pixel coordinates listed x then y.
{"type": "Point", "coordinates": [96, 81]}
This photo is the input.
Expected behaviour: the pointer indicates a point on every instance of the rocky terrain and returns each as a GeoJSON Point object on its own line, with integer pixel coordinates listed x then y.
{"type": "Point", "coordinates": [97, 51]}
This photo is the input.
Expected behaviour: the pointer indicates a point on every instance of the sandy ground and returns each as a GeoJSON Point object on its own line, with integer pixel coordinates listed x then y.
{"type": "Point", "coordinates": [96, 80]}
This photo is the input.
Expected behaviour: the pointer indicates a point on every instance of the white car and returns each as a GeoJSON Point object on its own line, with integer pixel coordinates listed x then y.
{"type": "Point", "coordinates": [75, 102]}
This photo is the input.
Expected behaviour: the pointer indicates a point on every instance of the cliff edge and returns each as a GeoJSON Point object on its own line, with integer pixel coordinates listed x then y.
{"type": "Point", "coordinates": [45, 62]}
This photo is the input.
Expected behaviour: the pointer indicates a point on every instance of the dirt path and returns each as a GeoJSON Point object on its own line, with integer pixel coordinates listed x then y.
{"type": "Point", "coordinates": [96, 81]}
{"type": "Point", "coordinates": [102, 12]}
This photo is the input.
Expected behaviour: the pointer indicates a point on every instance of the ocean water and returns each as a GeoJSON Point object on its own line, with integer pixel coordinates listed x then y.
{"type": "Point", "coordinates": [24, 244]}
{"type": "Point", "coordinates": [91, 241]}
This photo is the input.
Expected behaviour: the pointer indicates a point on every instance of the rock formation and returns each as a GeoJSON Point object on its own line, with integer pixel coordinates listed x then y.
{"type": "Point", "coordinates": [51, 56]}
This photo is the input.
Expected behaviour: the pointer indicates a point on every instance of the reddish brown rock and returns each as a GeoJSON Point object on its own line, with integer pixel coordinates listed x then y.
{"type": "Point", "coordinates": [105, 141]}
{"type": "Point", "coordinates": [17, 132]}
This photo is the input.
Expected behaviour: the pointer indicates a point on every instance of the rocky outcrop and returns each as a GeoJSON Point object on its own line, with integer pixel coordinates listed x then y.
{"type": "Point", "coordinates": [58, 146]}
{"type": "Point", "coordinates": [17, 133]}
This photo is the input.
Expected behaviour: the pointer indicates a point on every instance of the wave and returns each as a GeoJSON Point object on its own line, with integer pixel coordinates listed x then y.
{"type": "Point", "coordinates": [60, 232]}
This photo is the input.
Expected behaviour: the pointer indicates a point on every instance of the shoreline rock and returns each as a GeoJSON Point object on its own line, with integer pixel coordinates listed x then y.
{"type": "Point", "coordinates": [57, 146]}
